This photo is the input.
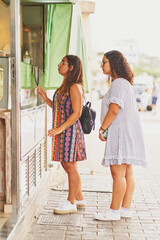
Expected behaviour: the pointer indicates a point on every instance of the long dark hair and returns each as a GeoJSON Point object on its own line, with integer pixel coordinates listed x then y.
{"type": "Point", "coordinates": [74, 76]}
{"type": "Point", "coordinates": [119, 65]}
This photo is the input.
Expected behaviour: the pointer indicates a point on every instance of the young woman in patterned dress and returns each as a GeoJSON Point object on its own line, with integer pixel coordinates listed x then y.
{"type": "Point", "coordinates": [68, 144]}
{"type": "Point", "coordinates": [124, 144]}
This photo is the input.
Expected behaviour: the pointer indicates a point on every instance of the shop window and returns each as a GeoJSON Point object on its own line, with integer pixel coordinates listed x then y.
{"type": "Point", "coordinates": [32, 54]}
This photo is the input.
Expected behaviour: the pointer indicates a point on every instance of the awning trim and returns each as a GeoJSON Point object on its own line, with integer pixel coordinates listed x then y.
{"type": "Point", "coordinates": [43, 1]}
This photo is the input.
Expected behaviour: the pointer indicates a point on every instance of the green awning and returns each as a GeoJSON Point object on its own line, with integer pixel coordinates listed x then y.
{"type": "Point", "coordinates": [77, 44]}
{"type": "Point", "coordinates": [65, 35]}
{"type": "Point", "coordinates": [59, 17]}
{"type": "Point", "coordinates": [43, 1]}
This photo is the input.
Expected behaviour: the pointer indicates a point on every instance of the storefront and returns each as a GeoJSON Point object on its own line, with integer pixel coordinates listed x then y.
{"type": "Point", "coordinates": [39, 34]}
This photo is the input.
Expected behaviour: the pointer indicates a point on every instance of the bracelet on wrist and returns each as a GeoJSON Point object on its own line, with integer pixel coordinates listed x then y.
{"type": "Point", "coordinates": [62, 128]}
{"type": "Point", "coordinates": [102, 129]}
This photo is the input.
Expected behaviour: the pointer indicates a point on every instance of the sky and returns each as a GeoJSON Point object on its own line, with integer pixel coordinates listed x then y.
{"type": "Point", "coordinates": [135, 21]}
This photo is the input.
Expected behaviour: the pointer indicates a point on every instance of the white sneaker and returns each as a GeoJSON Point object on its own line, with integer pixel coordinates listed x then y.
{"type": "Point", "coordinates": [65, 207]}
{"type": "Point", "coordinates": [107, 216]}
{"type": "Point", "coordinates": [126, 214]}
{"type": "Point", "coordinates": [81, 203]}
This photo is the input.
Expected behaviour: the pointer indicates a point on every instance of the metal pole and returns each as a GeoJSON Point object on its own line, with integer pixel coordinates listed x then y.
{"type": "Point", "coordinates": [15, 98]}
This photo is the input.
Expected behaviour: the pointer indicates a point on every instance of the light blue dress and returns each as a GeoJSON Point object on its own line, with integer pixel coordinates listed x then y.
{"type": "Point", "coordinates": [125, 140]}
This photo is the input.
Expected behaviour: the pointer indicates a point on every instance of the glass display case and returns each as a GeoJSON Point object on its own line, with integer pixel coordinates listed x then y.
{"type": "Point", "coordinates": [32, 54]}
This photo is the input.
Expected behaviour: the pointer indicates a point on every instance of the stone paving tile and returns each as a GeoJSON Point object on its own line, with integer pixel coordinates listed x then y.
{"type": "Point", "coordinates": [104, 224]}
{"type": "Point", "coordinates": [127, 238]}
{"type": "Point", "coordinates": [89, 237]}
{"type": "Point", "coordinates": [58, 235]}
{"type": "Point", "coordinates": [125, 230]}
{"type": "Point", "coordinates": [152, 238]}
{"type": "Point", "coordinates": [72, 237]}
{"type": "Point", "coordinates": [150, 231]}
{"type": "Point", "coordinates": [74, 228]}
{"type": "Point", "coordinates": [106, 230]}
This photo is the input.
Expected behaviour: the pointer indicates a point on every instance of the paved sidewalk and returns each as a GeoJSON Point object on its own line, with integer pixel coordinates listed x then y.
{"type": "Point", "coordinates": [145, 224]}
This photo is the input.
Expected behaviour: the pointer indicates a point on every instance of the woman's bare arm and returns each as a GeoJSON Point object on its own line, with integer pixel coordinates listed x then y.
{"type": "Point", "coordinates": [109, 118]}
{"type": "Point", "coordinates": [44, 97]}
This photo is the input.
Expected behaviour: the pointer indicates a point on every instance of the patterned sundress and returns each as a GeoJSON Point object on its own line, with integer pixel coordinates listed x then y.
{"type": "Point", "coordinates": [69, 146]}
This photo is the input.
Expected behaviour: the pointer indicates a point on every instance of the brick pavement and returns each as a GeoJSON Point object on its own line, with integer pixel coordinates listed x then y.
{"type": "Point", "coordinates": [145, 224]}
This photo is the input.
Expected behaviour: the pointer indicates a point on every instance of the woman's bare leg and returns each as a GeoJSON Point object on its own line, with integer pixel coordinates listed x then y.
{"type": "Point", "coordinates": [74, 182]}
{"type": "Point", "coordinates": [79, 193]}
{"type": "Point", "coordinates": [62, 163]}
{"type": "Point", "coordinates": [130, 185]}
{"type": "Point", "coordinates": [119, 185]}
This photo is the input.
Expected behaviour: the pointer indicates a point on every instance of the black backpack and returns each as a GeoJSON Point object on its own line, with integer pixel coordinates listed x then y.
{"type": "Point", "coordinates": [87, 118]}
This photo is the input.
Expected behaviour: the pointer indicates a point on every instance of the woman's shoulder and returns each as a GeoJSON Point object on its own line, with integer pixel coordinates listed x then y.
{"type": "Point", "coordinates": [120, 82]}
{"type": "Point", "coordinates": [76, 87]}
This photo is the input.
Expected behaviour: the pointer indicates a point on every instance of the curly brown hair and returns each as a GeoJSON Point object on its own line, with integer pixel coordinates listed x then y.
{"type": "Point", "coordinates": [119, 66]}
{"type": "Point", "coordinates": [74, 76]}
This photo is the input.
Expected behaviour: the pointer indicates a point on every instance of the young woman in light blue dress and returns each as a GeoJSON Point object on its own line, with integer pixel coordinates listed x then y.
{"type": "Point", "coordinates": [124, 142]}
